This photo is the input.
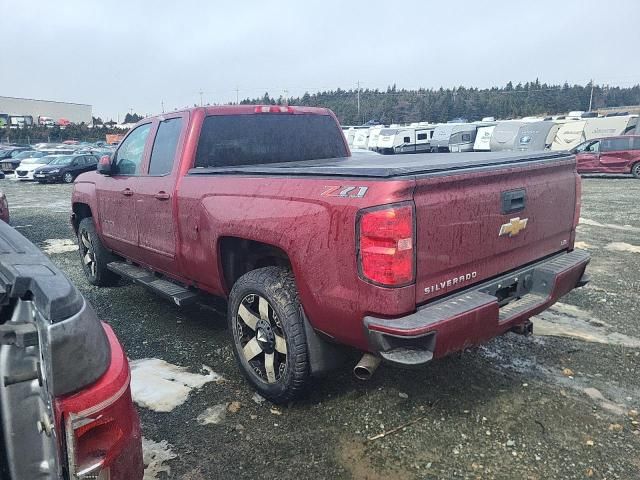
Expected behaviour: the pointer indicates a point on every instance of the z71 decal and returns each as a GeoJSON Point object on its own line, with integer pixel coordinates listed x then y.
{"type": "Point", "coordinates": [345, 191]}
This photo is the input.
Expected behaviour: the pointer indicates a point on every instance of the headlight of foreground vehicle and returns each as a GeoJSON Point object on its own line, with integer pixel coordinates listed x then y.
{"type": "Point", "coordinates": [386, 237]}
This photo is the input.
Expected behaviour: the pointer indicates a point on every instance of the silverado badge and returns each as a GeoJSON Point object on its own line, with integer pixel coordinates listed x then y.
{"type": "Point", "coordinates": [514, 227]}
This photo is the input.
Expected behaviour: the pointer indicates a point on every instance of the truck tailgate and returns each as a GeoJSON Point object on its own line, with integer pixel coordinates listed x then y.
{"type": "Point", "coordinates": [476, 225]}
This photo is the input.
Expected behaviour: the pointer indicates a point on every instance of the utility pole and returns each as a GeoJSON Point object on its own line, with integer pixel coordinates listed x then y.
{"type": "Point", "coordinates": [162, 104]}
{"type": "Point", "coordinates": [358, 95]}
{"type": "Point", "coordinates": [591, 97]}
{"type": "Point", "coordinates": [286, 97]}
{"type": "Point", "coordinates": [237, 95]}
{"type": "Point", "coordinates": [200, 92]}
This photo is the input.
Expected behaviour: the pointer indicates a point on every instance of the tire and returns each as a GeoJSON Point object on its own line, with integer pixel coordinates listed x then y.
{"type": "Point", "coordinates": [635, 170]}
{"type": "Point", "coordinates": [67, 177]}
{"type": "Point", "coordinates": [94, 257]}
{"type": "Point", "coordinates": [276, 363]}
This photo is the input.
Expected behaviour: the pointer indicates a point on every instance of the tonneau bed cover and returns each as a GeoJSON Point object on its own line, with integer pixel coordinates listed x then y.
{"type": "Point", "coordinates": [379, 166]}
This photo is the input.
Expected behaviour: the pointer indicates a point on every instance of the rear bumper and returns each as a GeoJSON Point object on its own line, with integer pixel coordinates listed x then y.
{"type": "Point", "coordinates": [477, 314]}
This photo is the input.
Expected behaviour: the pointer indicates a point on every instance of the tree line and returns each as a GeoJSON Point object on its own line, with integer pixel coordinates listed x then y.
{"type": "Point", "coordinates": [395, 105]}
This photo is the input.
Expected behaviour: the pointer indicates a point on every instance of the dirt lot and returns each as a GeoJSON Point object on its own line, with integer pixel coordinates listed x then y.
{"type": "Point", "coordinates": [542, 407]}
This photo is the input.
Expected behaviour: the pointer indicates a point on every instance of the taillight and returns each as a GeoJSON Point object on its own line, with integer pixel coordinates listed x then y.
{"type": "Point", "coordinates": [386, 249]}
{"type": "Point", "coordinates": [96, 436]}
{"type": "Point", "coordinates": [101, 425]}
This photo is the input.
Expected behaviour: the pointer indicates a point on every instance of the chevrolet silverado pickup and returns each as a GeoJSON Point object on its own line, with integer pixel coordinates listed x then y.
{"type": "Point", "coordinates": [65, 404]}
{"type": "Point", "coordinates": [406, 259]}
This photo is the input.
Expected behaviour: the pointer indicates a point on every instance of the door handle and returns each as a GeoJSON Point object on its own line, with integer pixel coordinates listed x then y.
{"type": "Point", "coordinates": [127, 192]}
{"type": "Point", "coordinates": [162, 196]}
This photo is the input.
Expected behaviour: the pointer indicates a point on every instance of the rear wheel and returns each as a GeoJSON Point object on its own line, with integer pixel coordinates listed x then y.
{"type": "Point", "coordinates": [635, 170]}
{"type": "Point", "coordinates": [67, 177]}
{"type": "Point", "coordinates": [94, 256]}
{"type": "Point", "coordinates": [266, 322]}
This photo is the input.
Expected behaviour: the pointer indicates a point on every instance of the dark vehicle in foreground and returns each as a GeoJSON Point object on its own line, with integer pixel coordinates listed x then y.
{"type": "Point", "coordinates": [65, 403]}
{"type": "Point", "coordinates": [406, 261]}
{"type": "Point", "coordinates": [8, 157]}
{"type": "Point", "coordinates": [65, 168]}
{"type": "Point", "coordinates": [610, 155]}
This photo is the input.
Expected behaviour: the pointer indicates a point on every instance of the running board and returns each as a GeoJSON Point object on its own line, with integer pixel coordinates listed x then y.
{"type": "Point", "coordinates": [165, 288]}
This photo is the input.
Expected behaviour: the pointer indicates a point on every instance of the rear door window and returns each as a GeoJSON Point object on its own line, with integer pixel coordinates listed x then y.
{"type": "Point", "coordinates": [164, 146]}
{"type": "Point", "coordinates": [615, 144]}
{"type": "Point", "coordinates": [233, 140]}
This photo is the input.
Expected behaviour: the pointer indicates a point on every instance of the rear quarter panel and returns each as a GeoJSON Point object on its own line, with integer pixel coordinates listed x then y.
{"type": "Point", "coordinates": [315, 230]}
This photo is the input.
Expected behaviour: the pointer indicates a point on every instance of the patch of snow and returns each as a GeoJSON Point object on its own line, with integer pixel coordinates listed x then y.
{"type": "Point", "coordinates": [563, 320]}
{"type": "Point", "coordinates": [161, 386]}
{"type": "Point", "coordinates": [622, 247]}
{"type": "Point", "coordinates": [59, 245]}
{"type": "Point", "coordinates": [612, 226]}
{"type": "Point", "coordinates": [154, 455]}
{"type": "Point", "coordinates": [213, 415]}
{"type": "Point", "coordinates": [582, 245]}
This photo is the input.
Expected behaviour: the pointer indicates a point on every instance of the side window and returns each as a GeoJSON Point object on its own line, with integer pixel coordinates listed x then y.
{"type": "Point", "coordinates": [593, 147]}
{"type": "Point", "coordinates": [466, 137]}
{"type": "Point", "coordinates": [422, 136]}
{"type": "Point", "coordinates": [128, 158]}
{"type": "Point", "coordinates": [406, 139]}
{"type": "Point", "coordinates": [635, 143]}
{"type": "Point", "coordinates": [77, 161]}
{"type": "Point", "coordinates": [621, 144]}
{"type": "Point", "coordinates": [164, 146]}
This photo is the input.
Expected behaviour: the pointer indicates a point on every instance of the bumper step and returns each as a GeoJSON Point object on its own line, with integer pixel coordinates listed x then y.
{"type": "Point", "coordinates": [162, 286]}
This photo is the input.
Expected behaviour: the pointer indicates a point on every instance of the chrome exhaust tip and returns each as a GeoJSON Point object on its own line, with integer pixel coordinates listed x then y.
{"type": "Point", "coordinates": [366, 367]}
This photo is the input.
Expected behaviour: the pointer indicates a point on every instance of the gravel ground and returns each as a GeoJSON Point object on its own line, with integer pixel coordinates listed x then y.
{"type": "Point", "coordinates": [540, 407]}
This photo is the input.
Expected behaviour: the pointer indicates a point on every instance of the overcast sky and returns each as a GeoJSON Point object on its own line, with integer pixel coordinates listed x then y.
{"type": "Point", "coordinates": [117, 56]}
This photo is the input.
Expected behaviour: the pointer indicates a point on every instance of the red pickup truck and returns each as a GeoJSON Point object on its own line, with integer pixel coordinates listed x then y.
{"type": "Point", "coordinates": [406, 259]}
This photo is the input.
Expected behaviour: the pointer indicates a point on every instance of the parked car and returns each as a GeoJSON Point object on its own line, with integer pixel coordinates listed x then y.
{"type": "Point", "coordinates": [406, 261]}
{"type": "Point", "coordinates": [29, 165]}
{"type": "Point", "coordinates": [610, 155]}
{"type": "Point", "coordinates": [65, 168]}
{"type": "Point", "coordinates": [66, 410]}
{"type": "Point", "coordinates": [8, 161]}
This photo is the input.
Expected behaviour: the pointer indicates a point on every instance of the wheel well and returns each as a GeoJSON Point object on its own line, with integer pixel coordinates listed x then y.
{"type": "Point", "coordinates": [80, 212]}
{"type": "Point", "coordinates": [239, 256]}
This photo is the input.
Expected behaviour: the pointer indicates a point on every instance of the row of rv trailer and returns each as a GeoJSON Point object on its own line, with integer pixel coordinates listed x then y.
{"type": "Point", "coordinates": [21, 121]}
{"type": "Point", "coordinates": [531, 133]}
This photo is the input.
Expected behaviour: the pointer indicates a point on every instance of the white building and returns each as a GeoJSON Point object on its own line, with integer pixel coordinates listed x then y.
{"type": "Point", "coordinates": [23, 107]}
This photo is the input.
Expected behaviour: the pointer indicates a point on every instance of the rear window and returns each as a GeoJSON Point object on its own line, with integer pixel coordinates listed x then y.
{"type": "Point", "coordinates": [232, 140]}
{"type": "Point", "coordinates": [614, 144]}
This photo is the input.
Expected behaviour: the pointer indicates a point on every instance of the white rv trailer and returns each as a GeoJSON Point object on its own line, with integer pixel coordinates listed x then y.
{"type": "Point", "coordinates": [361, 138]}
{"type": "Point", "coordinates": [608, 126]}
{"type": "Point", "coordinates": [572, 134]}
{"type": "Point", "coordinates": [405, 140]}
{"type": "Point", "coordinates": [504, 135]}
{"type": "Point", "coordinates": [483, 139]}
{"type": "Point", "coordinates": [349, 133]}
{"type": "Point", "coordinates": [442, 135]}
{"type": "Point", "coordinates": [536, 136]}
{"type": "Point", "coordinates": [374, 135]}
{"type": "Point", "coordinates": [463, 137]}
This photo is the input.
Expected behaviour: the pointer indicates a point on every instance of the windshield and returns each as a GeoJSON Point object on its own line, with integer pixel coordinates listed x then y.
{"type": "Point", "coordinates": [36, 160]}
{"type": "Point", "coordinates": [63, 160]}
{"type": "Point", "coordinates": [27, 154]}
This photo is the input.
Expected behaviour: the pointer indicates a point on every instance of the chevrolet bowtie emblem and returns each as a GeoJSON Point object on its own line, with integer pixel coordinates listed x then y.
{"type": "Point", "coordinates": [514, 227]}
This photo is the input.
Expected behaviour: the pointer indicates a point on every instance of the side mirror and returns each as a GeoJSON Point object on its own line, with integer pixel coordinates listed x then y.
{"type": "Point", "coordinates": [104, 165]}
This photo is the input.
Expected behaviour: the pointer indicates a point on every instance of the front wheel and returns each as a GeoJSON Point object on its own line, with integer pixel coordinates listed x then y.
{"type": "Point", "coordinates": [635, 170]}
{"type": "Point", "coordinates": [94, 256]}
{"type": "Point", "coordinates": [67, 177]}
{"type": "Point", "coordinates": [266, 322]}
